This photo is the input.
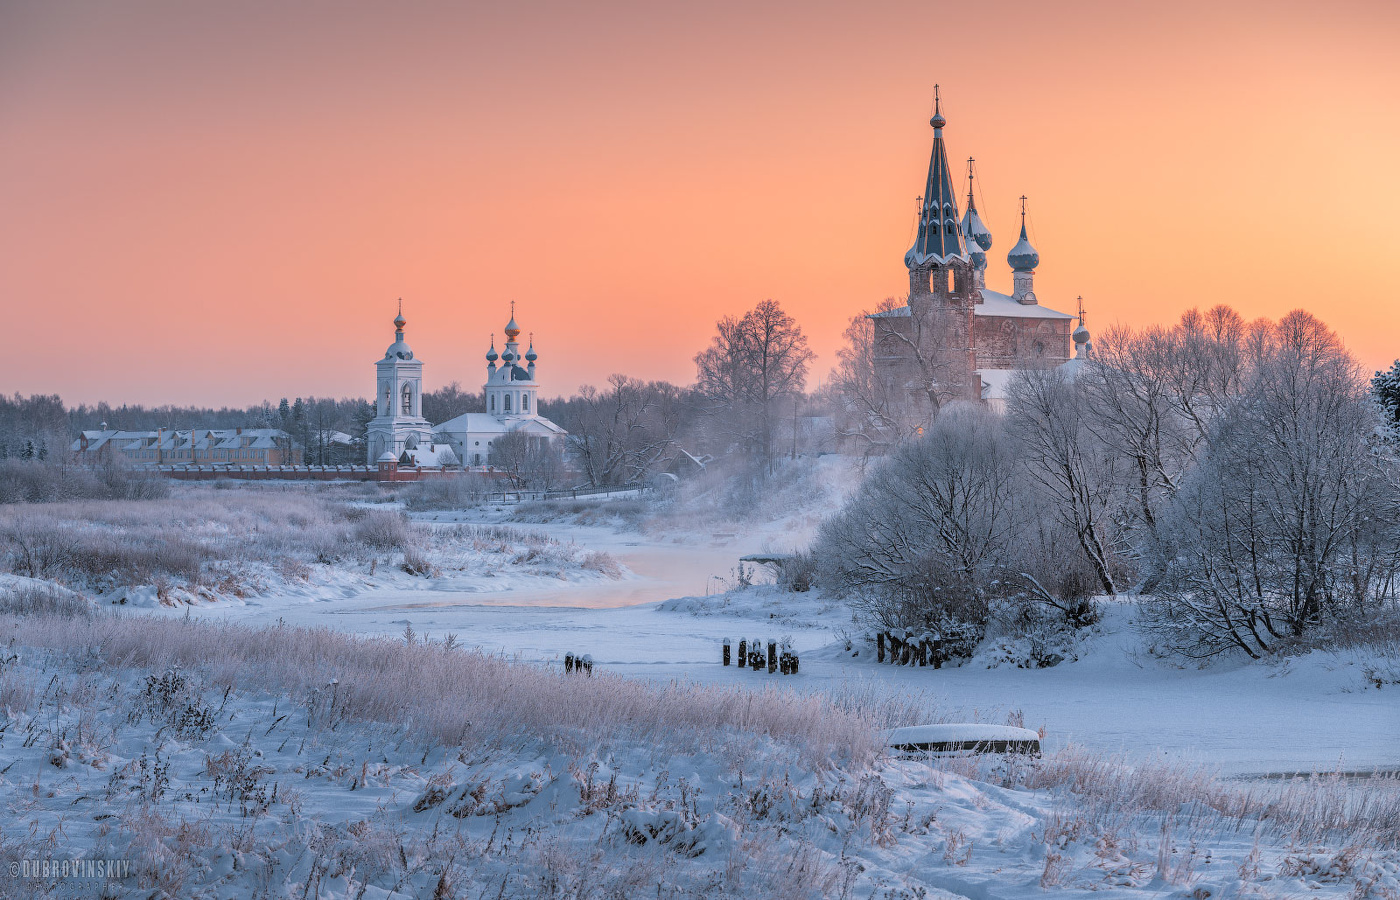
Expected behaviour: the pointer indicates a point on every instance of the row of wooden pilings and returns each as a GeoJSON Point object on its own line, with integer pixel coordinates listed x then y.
{"type": "Point", "coordinates": [780, 658]}
{"type": "Point", "coordinates": [578, 665]}
{"type": "Point", "coordinates": [905, 649]}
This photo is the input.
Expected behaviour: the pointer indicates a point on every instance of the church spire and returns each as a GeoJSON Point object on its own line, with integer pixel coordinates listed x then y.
{"type": "Point", "coordinates": [939, 238]}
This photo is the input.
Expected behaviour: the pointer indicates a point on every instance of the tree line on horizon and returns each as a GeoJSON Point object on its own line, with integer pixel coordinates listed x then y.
{"type": "Point", "coordinates": [749, 404]}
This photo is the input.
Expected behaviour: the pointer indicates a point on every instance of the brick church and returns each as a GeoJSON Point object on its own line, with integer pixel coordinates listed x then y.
{"type": "Point", "coordinates": [957, 339]}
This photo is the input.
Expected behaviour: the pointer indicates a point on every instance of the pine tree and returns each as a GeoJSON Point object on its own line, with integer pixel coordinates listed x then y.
{"type": "Point", "coordinates": [1386, 389]}
{"type": "Point", "coordinates": [28, 452]}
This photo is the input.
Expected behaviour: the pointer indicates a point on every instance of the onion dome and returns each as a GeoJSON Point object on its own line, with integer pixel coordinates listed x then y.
{"type": "Point", "coordinates": [492, 355]}
{"type": "Point", "coordinates": [1081, 334]}
{"type": "Point", "coordinates": [507, 358]}
{"type": "Point", "coordinates": [974, 232]}
{"type": "Point", "coordinates": [399, 349]}
{"type": "Point", "coordinates": [531, 355]}
{"type": "Point", "coordinates": [1023, 257]}
{"type": "Point", "coordinates": [512, 329]}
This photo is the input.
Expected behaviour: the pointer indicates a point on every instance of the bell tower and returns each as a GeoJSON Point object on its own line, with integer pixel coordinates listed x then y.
{"type": "Point", "coordinates": [398, 422]}
{"type": "Point", "coordinates": [942, 284]}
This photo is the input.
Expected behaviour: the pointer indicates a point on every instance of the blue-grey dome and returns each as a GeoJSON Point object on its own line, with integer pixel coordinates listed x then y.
{"type": "Point", "coordinates": [1023, 257]}
{"type": "Point", "coordinates": [973, 229]}
{"type": "Point", "coordinates": [531, 355]}
{"type": "Point", "coordinates": [977, 255]}
{"type": "Point", "coordinates": [518, 374]}
{"type": "Point", "coordinates": [491, 355]}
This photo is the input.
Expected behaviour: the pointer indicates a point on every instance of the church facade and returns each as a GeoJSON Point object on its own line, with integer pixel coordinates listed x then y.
{"type": "Point", "coordinates": [956, 338]}
{"type": "Point", "coordinates": [398, 433]}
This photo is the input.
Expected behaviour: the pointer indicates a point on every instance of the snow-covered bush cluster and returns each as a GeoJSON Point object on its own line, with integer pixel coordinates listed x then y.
{"type": "Point", "coordinates": [49, 481]}
{"type": "Point", "coordinates": [206, 543]}
{"type": "Point", "coordinates": [1237, 472]}
{"type": "Point", "coordinates": [951, 526]}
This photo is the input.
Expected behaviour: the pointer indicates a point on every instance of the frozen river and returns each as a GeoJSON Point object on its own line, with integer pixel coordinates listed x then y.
{"type": "Point", "coordinates": [1300, 715]}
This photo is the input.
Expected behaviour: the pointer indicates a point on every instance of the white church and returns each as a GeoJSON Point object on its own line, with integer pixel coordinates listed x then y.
{"type": "Point", "coordinates": [399, 433]}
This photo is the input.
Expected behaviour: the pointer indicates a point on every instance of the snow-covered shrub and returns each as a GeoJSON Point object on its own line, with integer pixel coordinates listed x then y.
{"type": "Point", "coordinates": [382, 530]}
{"type": "Point", "coordinates": [922, 537]}
{"type": "Point", "coordinates": [35, 481]}
{"type": "Point", "coordinates": [460, 492]}
{"type": "Point", "coordinates": [798, 572]}
{"type": "Point", "coordinates": [43, 599]}
{"type": "Point", "coordinates": [1028, 636]}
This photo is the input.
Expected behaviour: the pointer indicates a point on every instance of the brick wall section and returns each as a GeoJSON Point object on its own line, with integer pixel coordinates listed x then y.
{"type": "Point", "coordinates": [1005, 342]}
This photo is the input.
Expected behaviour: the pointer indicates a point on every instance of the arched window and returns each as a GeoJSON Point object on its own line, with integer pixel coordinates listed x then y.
{"type": "Point", "coordinates": [507, 409]}
{"type": "Point", "coordinates": [525, 403]}
{"type": "Point", "coordinates": [388, 398]}
{"type": "Point", "coordinates": [493, 402]}
{"type": "Point", "coordinates": [408, 399]}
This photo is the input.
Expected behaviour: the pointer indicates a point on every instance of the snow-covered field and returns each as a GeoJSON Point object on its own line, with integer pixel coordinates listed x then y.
{"type": "Point", "coordinates": [306, 748]}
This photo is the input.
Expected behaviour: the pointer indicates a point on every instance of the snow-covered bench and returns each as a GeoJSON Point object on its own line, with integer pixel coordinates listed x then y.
{"type": "Point", "coordinates": [961, 738]}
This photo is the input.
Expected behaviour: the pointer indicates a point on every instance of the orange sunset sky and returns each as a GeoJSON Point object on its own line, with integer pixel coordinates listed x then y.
{"type": "Point", "coordinates": [217, 203]}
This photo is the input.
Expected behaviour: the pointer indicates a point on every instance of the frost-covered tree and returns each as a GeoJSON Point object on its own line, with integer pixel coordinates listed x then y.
{"type": "Point", "coordinates": [871, 411]}
{"type": "Point", "coordinates": [1050, 413]}
{"type": "Point", "coordinates": [1385, 386]}
{"type": "Point", "coordinates": [1289, 519]}
{"type": "Point", "coordinates": [924, 538]}
{"type": "Point", "coordinates": [624, 432]}
{"type": "Point", "coordinates": [949, 525]}
{"type": "Point", "coordinates": [751, 362]}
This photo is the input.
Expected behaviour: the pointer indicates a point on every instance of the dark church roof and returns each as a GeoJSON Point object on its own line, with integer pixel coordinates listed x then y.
{"type": "Point", "coordinates": [940, 236]}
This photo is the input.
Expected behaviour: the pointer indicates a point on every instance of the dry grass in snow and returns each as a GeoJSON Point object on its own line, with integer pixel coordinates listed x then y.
{"type": "Point", "coordinates": [203, 543]}
{"type": "Point", "coordinates": [232, 762]}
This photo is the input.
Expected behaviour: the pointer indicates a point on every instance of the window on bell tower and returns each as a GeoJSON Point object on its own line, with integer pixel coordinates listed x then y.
{"type": "Point", "coordinates": [408, 399]}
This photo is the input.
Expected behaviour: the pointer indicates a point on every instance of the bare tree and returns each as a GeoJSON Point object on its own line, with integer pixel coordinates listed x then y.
{"type": "Point", "coordinates": [750, 363]}
{"type": "Point", "coordinates": [1127, 386]}
{"type": "Point", "coordinates": [623, 433]}
{"type": "Point", "coordinates": [920, 340]}
{"type": "Point", "coordinates": [1050, 413]}
{"type": "Point", "coordinates": [871, 410]}
{"type": "Point", "coordinates": [930, 527]}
